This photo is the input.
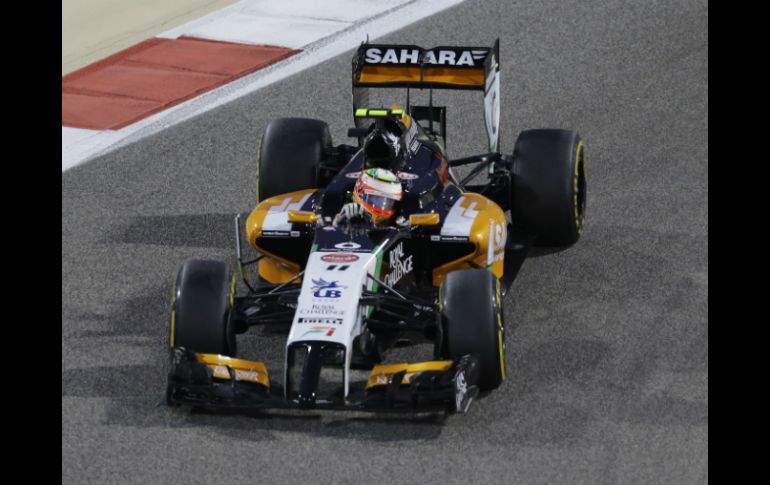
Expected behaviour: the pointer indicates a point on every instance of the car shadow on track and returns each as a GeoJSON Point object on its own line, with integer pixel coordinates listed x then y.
{"type": "Point", "coordinates": [188, 230]}
{"type": "Point", "coordinates": [144, 314]}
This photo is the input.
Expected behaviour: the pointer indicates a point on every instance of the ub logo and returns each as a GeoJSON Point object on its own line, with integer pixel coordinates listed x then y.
{"type": "Point", "coordinates": [326, 289]}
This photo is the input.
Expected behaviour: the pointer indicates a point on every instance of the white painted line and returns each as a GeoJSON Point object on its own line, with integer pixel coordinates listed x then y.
{"type": "Point", "coordinates": [80, 146]}
{"type": "Point", "coordinates": [315, 53]}
{"type": "Point", "coordinates": [288, 23]}
{"type": "Point", "coordinates": [342, 10]}
{"type": "Point", "coordinates": [276, 31]}
{"type": "Point", "coordinates": [73, 136]}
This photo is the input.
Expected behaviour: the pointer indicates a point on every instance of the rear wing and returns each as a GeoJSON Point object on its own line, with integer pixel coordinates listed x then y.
{"type": "Point", "coordinates": [410, 66]}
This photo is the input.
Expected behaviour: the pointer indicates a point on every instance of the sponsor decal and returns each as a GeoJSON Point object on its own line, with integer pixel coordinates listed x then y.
{"type": "Point", "coordinates": [353, 175]}
{"type": "Point", "coordinates": [275, 233]}
{"type": "Point", "coordinates": [339, 258]}
{"type": "Point", "coordinates": [400, 265]}
{"type": "Point", "coordinates": [499, 236]}
{"type": "Point", "coordinates": [454, 238]}
{"type": "Point", "coordinates": [347, 245]}
{"type": "Point", "coordinates": [335, 267]}
{"type": "Point", "coordinates": [221, 372]}
{"type": "Point", "coordinates": [435, 237]}
{"type": "Point", "coordinates": [246, 375]}
{"type": "Point", "coordinates": [381, 380]}
{"type": "Point", "coordinates": [461, 389]}
{"type": "Point", "coordinates": [320, 321]}
{"type": "Point", "coordinates": [321, 309]}
{"type": "Point", "coordinates": [411, 139]}
{"type": "Point", "coordinates": [328, 331]}
{"type": "Point", "coordinates": [327, 289]}
{"type": "Point", "coordinates": [407, 176]}
{"type": "Point", "coordinates": [294, 233]}
{"type": "Point", "coordinates": [441, 57]}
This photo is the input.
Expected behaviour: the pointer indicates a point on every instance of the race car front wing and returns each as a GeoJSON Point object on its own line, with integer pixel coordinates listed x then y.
{"type": "Point", "coordinates": [219, 382]}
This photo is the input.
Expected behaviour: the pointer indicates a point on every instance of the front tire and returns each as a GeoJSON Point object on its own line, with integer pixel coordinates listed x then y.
{"type": "Point", "coordinates": [549, 186]}
{"type": "Point", "coordinates": [472, 314]}
{"type": "Point", "coordinates": [200, 310]}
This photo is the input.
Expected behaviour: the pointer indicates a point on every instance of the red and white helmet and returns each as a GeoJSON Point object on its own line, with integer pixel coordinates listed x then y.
{"type": "Point", "coordinates": [377, 191]}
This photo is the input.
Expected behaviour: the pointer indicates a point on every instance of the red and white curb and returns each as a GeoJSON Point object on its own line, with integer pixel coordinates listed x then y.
{"type": "Point", "coordinates": [214, 60]}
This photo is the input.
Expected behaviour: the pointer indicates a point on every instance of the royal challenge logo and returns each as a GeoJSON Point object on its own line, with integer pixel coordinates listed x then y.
{"type": "Point", "coordinates": [400, 265]}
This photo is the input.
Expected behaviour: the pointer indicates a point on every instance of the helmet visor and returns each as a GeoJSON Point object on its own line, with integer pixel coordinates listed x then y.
{"type": "Point", "coordinates": [376, 203]}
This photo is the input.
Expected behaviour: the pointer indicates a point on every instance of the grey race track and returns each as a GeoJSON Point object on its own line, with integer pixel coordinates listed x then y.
{"type": "Point", "coordinates": [608, 348]}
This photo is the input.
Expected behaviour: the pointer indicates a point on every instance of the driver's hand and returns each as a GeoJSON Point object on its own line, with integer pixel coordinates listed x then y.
{"type": "Point", "coordinates": [348, 212]}
{"type": "Point", "coordinates": [353, 220]}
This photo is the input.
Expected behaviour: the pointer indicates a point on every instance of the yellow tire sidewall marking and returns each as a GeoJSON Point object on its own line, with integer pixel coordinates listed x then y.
{"type": "Point", "coordinates": [173, 313]}
{"type": "Point", "coordinates": [580, 150]}
{"type": "Point", "coordinates": [501, 344]}
{"type": "Point", "coordinates": [173, 326]}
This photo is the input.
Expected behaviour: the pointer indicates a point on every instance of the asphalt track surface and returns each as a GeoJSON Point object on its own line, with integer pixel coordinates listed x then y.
{"type": "Point", "coordinates": [607, 343]}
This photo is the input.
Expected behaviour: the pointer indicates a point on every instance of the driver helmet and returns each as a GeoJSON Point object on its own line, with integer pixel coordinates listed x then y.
{"type": "Point", "coordinates": [378, 191]}
{"type": "Point", "coordinates": [384, 147]}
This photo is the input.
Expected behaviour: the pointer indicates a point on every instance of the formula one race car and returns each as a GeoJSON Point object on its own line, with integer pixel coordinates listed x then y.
{"type": "Point", "coordinates": [368, 247]}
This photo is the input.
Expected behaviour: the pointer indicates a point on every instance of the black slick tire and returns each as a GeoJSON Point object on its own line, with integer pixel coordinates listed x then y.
{"type": "Point", "coordinates": [472, 314]}
{"type": "Point", "coordinates": [549, 186]}
{"type": "Point", "coordinates": [290, 155]}
{"type": "Point", "coordinates": [200, 310]}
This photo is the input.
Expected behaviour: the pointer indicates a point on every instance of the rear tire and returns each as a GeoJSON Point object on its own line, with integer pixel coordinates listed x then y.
{"type": "Point", "coordinates": [200, 319]}
{"type": "Point", "coordinates": [290, 155]}
{"type": "Point", "coordinates": [549, 186]}
{"type": "Point", "coordinates": [471, 308]}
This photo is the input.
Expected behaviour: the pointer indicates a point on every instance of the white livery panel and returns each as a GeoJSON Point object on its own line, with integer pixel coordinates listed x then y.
{"type": "Point", "coordinates": [327, 308]}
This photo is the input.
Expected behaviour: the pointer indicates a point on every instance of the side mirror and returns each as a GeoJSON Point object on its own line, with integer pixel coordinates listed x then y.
{"type": "Point", "coordinates": [303, 217]}
{"type": "Point", "coordinates": [430, 219]}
